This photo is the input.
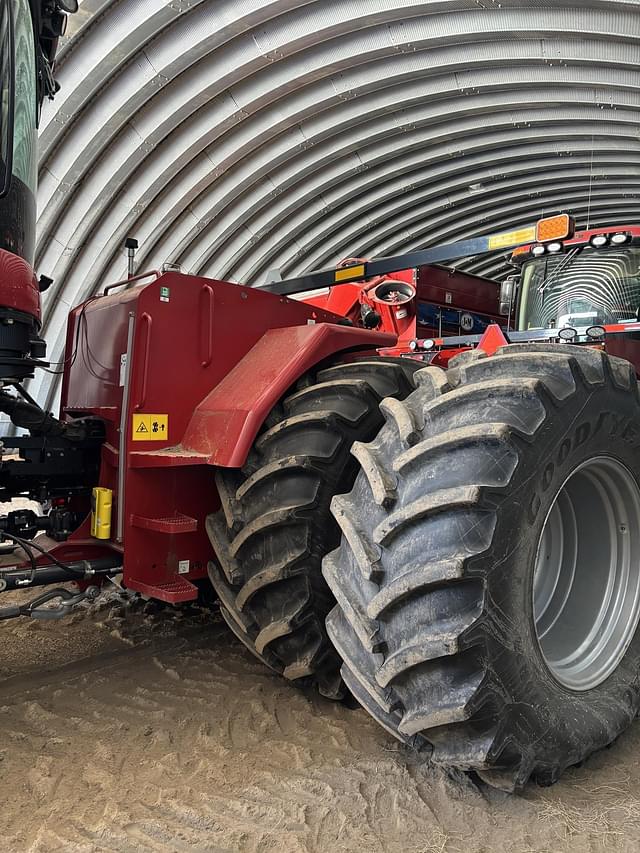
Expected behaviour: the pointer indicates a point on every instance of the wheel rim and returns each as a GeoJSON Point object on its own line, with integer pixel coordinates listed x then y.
{"type": "Point", "coordinates": [586, 582]}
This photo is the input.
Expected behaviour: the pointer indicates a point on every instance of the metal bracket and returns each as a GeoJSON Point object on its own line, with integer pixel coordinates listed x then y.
{"type": "Point", "coordinates": [35, 608]}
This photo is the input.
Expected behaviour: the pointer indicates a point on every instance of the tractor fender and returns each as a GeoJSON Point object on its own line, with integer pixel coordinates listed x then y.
{"type": "Point", "coordinates": [226, 422]}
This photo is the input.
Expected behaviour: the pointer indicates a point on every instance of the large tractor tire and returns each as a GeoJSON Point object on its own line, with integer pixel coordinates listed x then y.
{"type": "Point", "coordinates": [275, 524]}
{"type": "Point", "coordinates": [488, 577]}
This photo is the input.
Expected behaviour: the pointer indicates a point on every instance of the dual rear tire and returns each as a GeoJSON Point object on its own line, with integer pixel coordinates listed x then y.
{"type": "Point", "coordinates": [488, 576]}
{"type": "Point", "coordinates": [484, 564]}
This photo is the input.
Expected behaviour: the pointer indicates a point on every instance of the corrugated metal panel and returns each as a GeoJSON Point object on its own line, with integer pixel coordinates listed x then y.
{"type": "Point", "coordinates": [235, 136]}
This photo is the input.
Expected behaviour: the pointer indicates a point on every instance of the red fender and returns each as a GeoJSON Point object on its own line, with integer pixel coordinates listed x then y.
{"type": "Point", "coordinates": [18, 285]}
{"type": "Point", "coordinates": [225, 424]}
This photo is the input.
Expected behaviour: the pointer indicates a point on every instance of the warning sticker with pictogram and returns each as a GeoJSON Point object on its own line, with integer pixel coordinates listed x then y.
{"type": "Point", "coordinates": [150, 428]}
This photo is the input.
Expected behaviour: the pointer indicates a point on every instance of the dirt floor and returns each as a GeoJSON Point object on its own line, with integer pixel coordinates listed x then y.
{"type": "Point", "coordinates": [125, 729]}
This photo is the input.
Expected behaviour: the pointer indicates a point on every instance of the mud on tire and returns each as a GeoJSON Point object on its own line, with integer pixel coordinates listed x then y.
{"type": "Point", "coordinates": [275, 525]}
{"type": "Point", "coordinates": [444, 580]}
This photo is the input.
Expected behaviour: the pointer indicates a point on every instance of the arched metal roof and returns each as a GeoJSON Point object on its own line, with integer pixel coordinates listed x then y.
{"type": "Point", "coordinates": [237, 136]}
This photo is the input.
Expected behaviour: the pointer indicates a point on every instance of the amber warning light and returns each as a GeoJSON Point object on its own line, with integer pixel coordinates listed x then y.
{"type": "Point", "coordinates": [559, 227]}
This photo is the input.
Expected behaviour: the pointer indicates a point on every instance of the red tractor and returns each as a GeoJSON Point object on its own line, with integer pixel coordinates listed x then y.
{"type": "Point", "coordinates": [194, 412]}
{"type": "Point", "coordinates": [484, 562]}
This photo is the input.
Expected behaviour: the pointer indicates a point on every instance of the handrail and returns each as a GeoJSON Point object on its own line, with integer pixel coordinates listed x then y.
{"type": "Point", "coordinates": [207, 316]}
{"type": "Point", "coordinates": [124, 281]}
{"type": "Point", "coordinates": [145, 328]}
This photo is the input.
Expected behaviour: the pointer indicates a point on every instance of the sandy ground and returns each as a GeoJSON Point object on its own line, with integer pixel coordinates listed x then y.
{"type": "Point", "coordinates": [128, 730]}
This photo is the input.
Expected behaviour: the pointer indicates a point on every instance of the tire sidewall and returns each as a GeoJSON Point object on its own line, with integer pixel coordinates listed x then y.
{"type": "Point", "coordinates": [603, 421]}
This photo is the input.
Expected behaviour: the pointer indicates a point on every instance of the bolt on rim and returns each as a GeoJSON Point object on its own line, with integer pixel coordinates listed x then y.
{"type": "Point", "coordinates": [586, 582]}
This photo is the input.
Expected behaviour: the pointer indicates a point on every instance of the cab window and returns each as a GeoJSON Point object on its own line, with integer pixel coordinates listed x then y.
{"type": "Point", "coordinates": [25, 137]}
{"type": "Point", "coordinates": [5, 97]}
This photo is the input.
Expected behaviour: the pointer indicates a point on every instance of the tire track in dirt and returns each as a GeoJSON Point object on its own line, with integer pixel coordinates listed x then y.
{"type": "Point", "coordinates": [170, 737]}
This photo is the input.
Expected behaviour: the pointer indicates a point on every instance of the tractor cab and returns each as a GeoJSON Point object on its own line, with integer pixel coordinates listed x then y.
{"type": "Point", "coordinates": [29, 33]}
{"type": "Point", "coordinates": [578, 287]}
{"type": "Point", "coordinates": [582, 284]}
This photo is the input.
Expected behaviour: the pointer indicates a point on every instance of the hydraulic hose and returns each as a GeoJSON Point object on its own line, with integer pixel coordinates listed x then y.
{"type": "Point", "coordinates": [29, 416]}
{"type": "Point", "coordinates": [26, 576]}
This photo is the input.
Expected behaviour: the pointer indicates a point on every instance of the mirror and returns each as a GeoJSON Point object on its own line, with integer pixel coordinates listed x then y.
{"type": "Point", "coordinates": [507, 293]}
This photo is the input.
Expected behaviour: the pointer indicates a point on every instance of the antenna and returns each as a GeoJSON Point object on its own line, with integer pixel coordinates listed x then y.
{"type": "Point", "coordinates": [131, 244]}
{"type": "Point", "coordinates": [590, 183]}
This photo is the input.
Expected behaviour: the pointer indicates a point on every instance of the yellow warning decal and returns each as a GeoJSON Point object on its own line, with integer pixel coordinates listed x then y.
{"type": "Point", "coordinates": [349, 272]}
{"type": "Point", "coordinates": [150, 428]}
{"type": "Point", "coordinates": [512, 238]}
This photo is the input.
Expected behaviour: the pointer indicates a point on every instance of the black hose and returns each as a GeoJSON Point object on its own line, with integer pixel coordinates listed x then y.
{"type": "Point", "coordinates": [30, 416]}
{"type": "Point", "coordinates": [23, 578]}
{"type": "Point", "coordinates": [27, 544]}
{"type": "Point", "coordinates": [32, 560]}
{"type": "Point", "coordinates": [26, 413]}
{"type": "Point", "coordinates": [24, 393]}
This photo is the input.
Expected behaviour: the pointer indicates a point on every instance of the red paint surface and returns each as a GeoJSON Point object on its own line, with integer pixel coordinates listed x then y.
{"type": "Point", "coordinates": [214, 359]}
{"type": "Point", "coordinates": [226, 422]}
{"type": "Point", "coordinates": [436, 285]}
{"type": "Point", "coordinates": [18, 285]}
{"type": "Point", "coordinates": [441, 358]}
{"type": "Point", "coordinates": [624, 343]}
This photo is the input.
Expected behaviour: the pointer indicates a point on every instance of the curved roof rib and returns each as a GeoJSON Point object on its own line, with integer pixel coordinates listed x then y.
{"type": "Point", "coordinates": [237, 136]}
